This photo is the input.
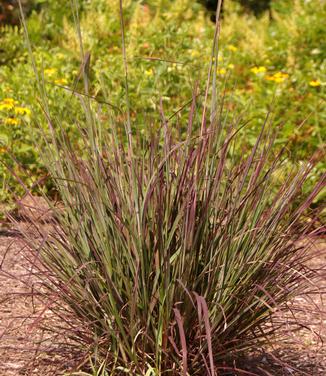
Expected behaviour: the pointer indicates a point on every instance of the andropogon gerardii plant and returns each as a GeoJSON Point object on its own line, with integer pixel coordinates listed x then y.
{"type": "Point", "coordinates": [177, 254]}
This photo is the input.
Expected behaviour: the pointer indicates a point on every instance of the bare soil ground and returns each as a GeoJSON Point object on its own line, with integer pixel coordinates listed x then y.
{"type": "Point", "coordinates": [21, 336]}
{"type": "Point", "coordinates": [302, 354]}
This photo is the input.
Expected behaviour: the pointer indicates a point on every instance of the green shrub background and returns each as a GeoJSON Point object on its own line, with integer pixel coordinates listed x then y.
{"type": "Point", "coordinates": [263, 66]}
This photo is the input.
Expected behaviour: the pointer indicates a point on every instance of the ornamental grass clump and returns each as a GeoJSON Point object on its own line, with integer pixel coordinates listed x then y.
{"type": "Point", "coordinates": [176, 253]}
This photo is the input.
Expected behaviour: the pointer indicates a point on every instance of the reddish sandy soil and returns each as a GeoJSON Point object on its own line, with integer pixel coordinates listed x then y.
{"type": "Point", "coordinates": [20, 337]}
{"type": "Point", "coordinates": [302, 354]}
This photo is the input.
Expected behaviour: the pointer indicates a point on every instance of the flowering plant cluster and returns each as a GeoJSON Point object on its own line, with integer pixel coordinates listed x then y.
{"type": "Point", "coordinates": [12, 113]}
{"type": "Point", "coordinates": [257, 61]}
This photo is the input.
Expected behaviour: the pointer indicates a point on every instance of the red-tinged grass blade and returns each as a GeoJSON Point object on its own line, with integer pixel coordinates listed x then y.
{"type": "Point", "coordinates": [183, 341]}
{"type": "Point", "coordinates": [203, 314]}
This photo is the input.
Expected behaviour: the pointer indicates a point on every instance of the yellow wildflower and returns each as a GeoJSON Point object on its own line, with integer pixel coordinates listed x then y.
{"type": "Point", "coordinates": [221, 71]}
{"type": "Point", "coordinates": [269, 78]}
{"type": "Point", "coordinates": [12, 121]}
{"type": "Point", "coordinates": [61, 81]}
{"type": "Point", "coordinates": [6, 106]}
{"type": "Point", "coordinates": [258, 70]}
{"type": "Point", "coordinates": [149, 72]}
{"type": "Point", "coordinates": [281, 75]}
{"type": "Point", "coordinates": [232, 48]}
{"type": "Point", "coordinates": [314, 83]}
{"type": "Point", "coordinates": [277, 77]}
{"type": "Point", "coordinates": [22, 111]}
{"type": "Point", "coordinates": [9, 101]}
{"type": "Point", "coordinates": [50, 71]}
{"type": "Point", "coordinates": [231, 66]}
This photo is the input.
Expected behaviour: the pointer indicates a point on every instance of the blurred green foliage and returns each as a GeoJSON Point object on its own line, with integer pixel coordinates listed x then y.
{"type": "Point", "coordinates": [263, 65]}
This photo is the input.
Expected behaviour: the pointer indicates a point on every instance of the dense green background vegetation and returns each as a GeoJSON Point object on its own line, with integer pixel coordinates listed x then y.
{"type": "Point", "coordinates": [263, 65]}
